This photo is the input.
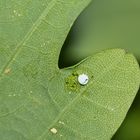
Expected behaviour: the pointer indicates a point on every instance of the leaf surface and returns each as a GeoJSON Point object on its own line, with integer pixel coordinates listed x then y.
{"type": "Point", "coordinates": [39, 101]}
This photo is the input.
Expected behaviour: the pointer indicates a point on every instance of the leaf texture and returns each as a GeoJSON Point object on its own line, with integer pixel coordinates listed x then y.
{"type": "Point", "coordinates": [38, 101]}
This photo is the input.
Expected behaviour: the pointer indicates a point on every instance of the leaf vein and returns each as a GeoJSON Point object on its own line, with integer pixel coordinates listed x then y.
{"type": "Point", "coordinates": [28, 35]}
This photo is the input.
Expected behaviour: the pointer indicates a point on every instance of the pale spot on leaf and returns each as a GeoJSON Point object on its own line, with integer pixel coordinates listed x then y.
{"type": "Point", "coordinates": [60, 122]}
{"type": "Point", "coordinates": [53, 130]}
{"type": "Point", "coordinates": [7, 71]}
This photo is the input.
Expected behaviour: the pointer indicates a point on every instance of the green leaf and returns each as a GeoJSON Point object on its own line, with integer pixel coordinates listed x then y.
{"type": "Point", "coordinates": [96, 111]}
{"type": "Point", "coordinates": [39, 101]}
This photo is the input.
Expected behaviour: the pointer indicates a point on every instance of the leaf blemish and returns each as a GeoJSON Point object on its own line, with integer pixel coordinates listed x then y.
{"type": "Point", "coordinates": [7, 71]}
{"type": "Point", "coordinates": [53, 130]}
{"type": "Point", "coordinates": [60, 122]}
{"type": "Point", "coordinates": [72, 83]}
{"type": "Point", "coordinates": [16, 13]}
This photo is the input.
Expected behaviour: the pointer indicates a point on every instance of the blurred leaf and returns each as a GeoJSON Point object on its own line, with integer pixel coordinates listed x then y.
{"type": "Point", "coordinates": [104, 24]}
{"type": "Point", "coordinates": [129, 130]}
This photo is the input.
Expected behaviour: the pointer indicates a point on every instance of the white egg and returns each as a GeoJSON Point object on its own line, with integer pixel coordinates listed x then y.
{"type": "Point", "coordinates": [83, 79]}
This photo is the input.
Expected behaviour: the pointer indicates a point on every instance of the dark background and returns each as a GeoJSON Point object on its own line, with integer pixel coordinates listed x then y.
{"type": "Point", "coordinates": [107, 24]}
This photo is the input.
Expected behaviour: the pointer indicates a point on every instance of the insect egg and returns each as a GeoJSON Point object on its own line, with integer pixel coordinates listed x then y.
{"type": "Point", "coordinates": [83, 79]}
